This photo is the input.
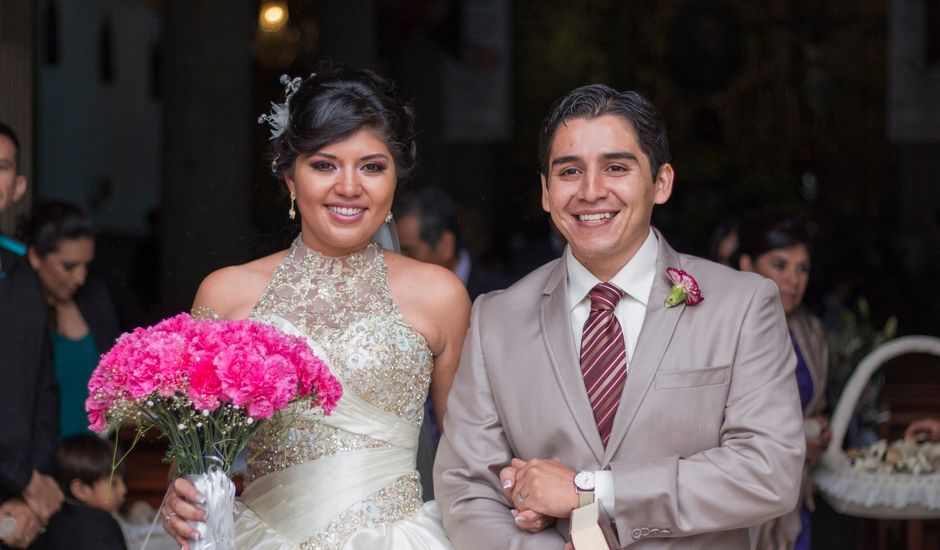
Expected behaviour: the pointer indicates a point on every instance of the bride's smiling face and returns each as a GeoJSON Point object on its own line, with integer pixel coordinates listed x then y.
{"type": "Point", "coordinates": [344, 192]}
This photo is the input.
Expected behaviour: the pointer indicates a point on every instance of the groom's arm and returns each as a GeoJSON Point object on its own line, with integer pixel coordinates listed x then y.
{"type": "Point", "coordinates": [754, 473]}
{"type": "Point", "coordinates": [473, 450]}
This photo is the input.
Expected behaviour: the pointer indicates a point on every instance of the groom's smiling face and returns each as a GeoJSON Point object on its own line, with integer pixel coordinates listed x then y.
{"type": "Point", "coordinates": [600, 192]}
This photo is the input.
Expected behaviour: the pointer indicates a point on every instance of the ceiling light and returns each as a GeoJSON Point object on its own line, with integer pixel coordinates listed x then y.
{"type": "Point", "coordinates": [273, 16]}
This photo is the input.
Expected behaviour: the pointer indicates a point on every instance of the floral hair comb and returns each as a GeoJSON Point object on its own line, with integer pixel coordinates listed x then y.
{"type": "Point", "coordinates": [279, 117]}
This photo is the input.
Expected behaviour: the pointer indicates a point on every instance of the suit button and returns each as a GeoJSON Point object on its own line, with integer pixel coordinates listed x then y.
{"type": "Point", "coordinates": [636, 533]}
{"type": "Point", "coordinates": [644, 532]}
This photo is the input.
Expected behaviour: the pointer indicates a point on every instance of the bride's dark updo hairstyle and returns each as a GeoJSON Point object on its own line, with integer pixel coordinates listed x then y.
{"type": "Point", "coordinates": [335, 103]}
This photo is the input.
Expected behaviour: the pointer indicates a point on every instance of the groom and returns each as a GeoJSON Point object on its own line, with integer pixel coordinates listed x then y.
{"type": "Point", "coordinates": [578, 383]}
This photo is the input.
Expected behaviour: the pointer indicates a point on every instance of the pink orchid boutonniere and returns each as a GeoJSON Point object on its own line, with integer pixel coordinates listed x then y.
{"type": "Point", "coordinates": [684, 288]}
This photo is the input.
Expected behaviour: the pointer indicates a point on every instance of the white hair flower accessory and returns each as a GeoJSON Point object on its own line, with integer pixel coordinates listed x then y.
{"type": "Point", "coordinates": [279, 117]}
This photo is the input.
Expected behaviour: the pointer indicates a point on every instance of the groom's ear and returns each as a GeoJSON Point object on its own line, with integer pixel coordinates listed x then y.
{"type": "Point", "coordinates": [545, 203]}
{"type": "Point", "coordinates": [663, 183]}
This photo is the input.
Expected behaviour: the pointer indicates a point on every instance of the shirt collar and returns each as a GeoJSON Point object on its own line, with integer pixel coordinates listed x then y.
{"type": "Point", "coordinates": [635, 278]}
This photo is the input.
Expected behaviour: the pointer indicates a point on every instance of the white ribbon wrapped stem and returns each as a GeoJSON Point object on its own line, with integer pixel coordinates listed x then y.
{"type": "Point", "coordinates": [218, 532]}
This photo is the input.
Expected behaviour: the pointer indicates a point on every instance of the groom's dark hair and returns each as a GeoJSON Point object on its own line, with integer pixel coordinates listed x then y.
{"type": "Point", "coordinates": [597, 100]}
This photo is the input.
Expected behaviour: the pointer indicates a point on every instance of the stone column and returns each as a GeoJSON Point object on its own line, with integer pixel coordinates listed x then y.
{"type": "Point", "coordinates": [208, 156]}
{"type": "Point", "coordinates": [16, 91]}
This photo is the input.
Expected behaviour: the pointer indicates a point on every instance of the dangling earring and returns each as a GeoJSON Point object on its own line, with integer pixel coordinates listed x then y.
{"type": "Point", "coordinates": [292, 213]}
{"type": "Point", "coordinates": [389, 218]}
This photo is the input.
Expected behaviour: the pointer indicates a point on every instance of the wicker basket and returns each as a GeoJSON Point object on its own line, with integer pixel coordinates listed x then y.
{"type": "Point", "coordinates": [875, 495]}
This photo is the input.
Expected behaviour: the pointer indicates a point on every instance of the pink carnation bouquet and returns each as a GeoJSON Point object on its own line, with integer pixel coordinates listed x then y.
{"type": "Point", "coordinates": [207, 386]}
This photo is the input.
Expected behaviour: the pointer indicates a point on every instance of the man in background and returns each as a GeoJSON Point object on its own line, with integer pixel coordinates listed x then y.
{"type": "Point", "coordinates": [428, 231]}
{"type": "Point", "coordinates": [29, 401]}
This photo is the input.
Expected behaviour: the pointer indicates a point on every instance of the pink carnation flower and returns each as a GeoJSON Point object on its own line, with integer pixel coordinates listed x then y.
{"type": "Point", "coordinates": [684, 288]}
{"type": "Point", "coordinates": [244, 363]}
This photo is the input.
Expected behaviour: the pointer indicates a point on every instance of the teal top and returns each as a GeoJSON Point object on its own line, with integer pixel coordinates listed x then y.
{"type": "Point", "coordinates": [74, 362]}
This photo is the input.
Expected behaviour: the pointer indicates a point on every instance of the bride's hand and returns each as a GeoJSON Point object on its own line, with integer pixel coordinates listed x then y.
{"type": "Point", "coordinates": [532, 522]}
{"type": "Point", "coordinates": [182, 504]}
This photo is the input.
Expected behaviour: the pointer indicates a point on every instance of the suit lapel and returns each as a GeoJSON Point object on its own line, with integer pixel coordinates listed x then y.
{"type": "Point", "coordinates": [556, 331]}
{"type": "Point", "coordinates": [658, 327]}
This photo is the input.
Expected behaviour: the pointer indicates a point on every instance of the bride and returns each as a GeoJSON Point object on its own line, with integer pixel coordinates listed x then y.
{"type": "Point", "coordinates": [388, 326]}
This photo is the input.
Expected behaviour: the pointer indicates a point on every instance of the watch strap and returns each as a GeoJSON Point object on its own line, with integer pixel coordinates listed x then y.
{"type": "Point", "coordinates": [585, 497]}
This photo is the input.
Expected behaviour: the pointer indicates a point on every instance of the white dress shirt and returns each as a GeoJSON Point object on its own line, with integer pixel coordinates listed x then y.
{"type": "Point", "coordinates": [636, 280]}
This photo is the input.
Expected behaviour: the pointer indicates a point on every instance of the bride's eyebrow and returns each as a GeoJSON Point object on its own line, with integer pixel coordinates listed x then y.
{"type": "Point", "coordinates": [372, 156]}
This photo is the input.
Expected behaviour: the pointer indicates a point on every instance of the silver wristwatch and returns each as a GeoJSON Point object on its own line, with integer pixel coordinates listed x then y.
{"type": "Point", "coordinates": [584, 486]}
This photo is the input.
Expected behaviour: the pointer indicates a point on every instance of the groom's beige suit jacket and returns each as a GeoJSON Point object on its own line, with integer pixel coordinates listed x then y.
{"type": "Point", "coordinates": [707, 438]}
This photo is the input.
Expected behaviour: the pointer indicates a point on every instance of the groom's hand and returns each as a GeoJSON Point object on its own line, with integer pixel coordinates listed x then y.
{"type": "Point", "coordinates": [527, 520]}
{"type": "Point", "coordinates": [544, 486]}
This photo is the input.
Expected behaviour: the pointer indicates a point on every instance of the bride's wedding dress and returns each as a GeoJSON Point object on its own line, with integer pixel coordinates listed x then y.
{"type": "Point", "coordinates": [347, 480]}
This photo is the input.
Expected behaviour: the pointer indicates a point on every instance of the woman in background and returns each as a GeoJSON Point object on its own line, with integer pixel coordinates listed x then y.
{"type": "Point", "coordinates": [778, 248]}
{"type": "Point", "coordinates": [83, 323]}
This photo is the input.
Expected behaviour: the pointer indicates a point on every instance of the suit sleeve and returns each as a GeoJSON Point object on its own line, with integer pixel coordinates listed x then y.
{"type": "Point", "coordinates": [754, 473]}
{"type": "Point", "coordinates": [472, 451]}
{"type": "Point", "coordinates": [14, 473]}
{"type": "Point", "coordinates": [45, 433]}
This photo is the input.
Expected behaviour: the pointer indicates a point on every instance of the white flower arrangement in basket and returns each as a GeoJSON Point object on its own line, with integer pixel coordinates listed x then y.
{"type": "Point", "coordinates": [885, 493]}
{"type": "Point", "coordinates": [905, 456]}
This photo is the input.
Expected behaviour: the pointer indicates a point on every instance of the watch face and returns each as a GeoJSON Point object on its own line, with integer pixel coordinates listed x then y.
{"type": "Point", "coordinates": [584, 481]}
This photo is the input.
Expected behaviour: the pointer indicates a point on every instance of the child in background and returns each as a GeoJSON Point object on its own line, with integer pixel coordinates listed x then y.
{"type": "Point", "coordinates": [92, 495]}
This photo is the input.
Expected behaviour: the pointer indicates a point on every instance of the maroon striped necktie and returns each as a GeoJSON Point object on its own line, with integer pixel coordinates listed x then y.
{"type": "Point", "coordinates": [603, 356]}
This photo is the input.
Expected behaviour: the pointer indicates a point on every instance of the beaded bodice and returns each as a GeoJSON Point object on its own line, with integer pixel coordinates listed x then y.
{"type": "Point", "coordinates": [345, 306]}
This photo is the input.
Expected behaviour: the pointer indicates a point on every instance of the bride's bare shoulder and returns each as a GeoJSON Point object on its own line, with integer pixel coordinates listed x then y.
{"type": "Point", "coordinates": [430, 297]}
{"type": "Point", "coordinates": [231, 292]}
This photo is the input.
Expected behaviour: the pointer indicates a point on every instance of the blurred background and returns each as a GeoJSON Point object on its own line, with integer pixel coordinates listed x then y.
{"type": "Point", "coordinates": [144, 113]}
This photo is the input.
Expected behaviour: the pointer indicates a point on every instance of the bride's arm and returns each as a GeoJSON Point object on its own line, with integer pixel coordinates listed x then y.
{"type": "Point", "coordinates": [436, 304]}
{"type": "Point", "coordinates": [452, 315]}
